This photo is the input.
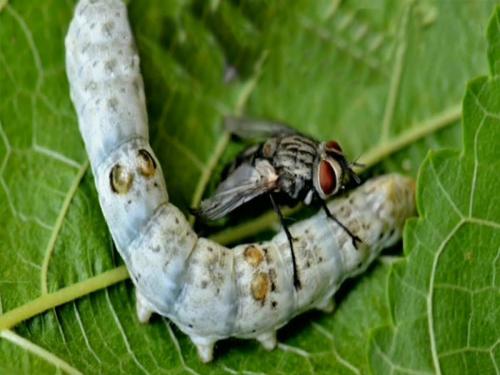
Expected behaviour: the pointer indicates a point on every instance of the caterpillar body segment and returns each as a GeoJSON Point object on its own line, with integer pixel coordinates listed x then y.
{"type": "Point", "coordinates": [106, 86]}
{"type": "Point", "coordinates": [209, 291]}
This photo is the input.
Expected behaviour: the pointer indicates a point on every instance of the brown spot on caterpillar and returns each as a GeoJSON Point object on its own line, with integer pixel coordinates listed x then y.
{"type": "Point", "coordinates": [204, 284]}
{"type": "Point", "coordinates": [269, 259]}
{"type": "Point", "coordinates": [266, 255]}
{"type": "Point", "coordinates": [260, 286]}
{"type": "Point", "coordinates": [165, 265]}
{"type": "Point", "coordinates": [272, 277]}
{"type": "Point", "coordinates": [108, 27]}
{"type": "Point", "coordinates": [113, 104]}
{"type": "Point", "coordinates": [253, 255]}
{"type": "Point", "coordinates": [137, 86]}
{"type": "Point", "coordinates": [85, 48]}
{"type": "Point", "coordinates": [176, 221]}
{"type": "Point", "coordinates": [346, 210]}
{"type": "Point", "coordinates": [354, 227]}
{"type": "Point", "coordinates": [274, 304]}
{"type": "Point", "coordinates": [110, 66]}
{"type": "Point", "coordinates": [90, 85]}
{"type": "Point", "coordinates": [120, 179]}
{"type": "Point", "coordinates": [80, 13]}
{"type": "Point", "coordinates": [210, 249]}
{"type": "Point", "coordinates": [147, 165]}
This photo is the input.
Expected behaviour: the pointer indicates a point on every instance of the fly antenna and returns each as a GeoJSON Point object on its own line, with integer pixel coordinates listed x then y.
{"type": "Point", "coordinates": [355, 163]}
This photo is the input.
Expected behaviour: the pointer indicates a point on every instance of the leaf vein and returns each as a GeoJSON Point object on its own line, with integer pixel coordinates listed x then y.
{"type": "Point", "coordinates": [397, 367]}
{"type": "Point", "coordinates": [342, 46]}
{"type": "Point", "coordinates": [486, 223]}
{"type": "Point", "coordinates": [430, 313]}
{"type": "Point", "coordinates": [84, 334]}
{"type": "Point", "coordinates": [29, 38]}
{"type": "Point", "coordinates": [40, 352]}
{"type": "Point", "coordinates": [397, 73]}
{"type": "Point", "coordinates": [482, 107]}
{"type": "Point", "coordinates": [177, 347]}
{"type": "Point", "coordinates": [58, 225]}
{"type": "Point", "coordinates": [56, 156]}
{"type": "Point", "coordinates": [123, 334]}
{"type": "Point", "coordinates": [297, 351]}
{"type": "Point", "coordinates": [476, 164]}
{"type": "Point", "coordinates": [445, 192]}
{"type": "Point", "coordinates": [341, 360]}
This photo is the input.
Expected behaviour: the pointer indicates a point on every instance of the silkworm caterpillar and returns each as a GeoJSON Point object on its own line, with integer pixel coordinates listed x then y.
{"type": "Point", "coordinates": [210, 292]}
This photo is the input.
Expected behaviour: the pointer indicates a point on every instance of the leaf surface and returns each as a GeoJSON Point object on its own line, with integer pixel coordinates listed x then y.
{"type": "Point", "coordinates": [379, 76]}
{"type": "Point", "coordinates": [444, 295]}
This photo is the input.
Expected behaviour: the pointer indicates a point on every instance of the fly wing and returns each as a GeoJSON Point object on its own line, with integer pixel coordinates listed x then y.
{"type": "Point", "coordinates": [256, 129]}
{"type": "Point", "coordinates": [242, 185]}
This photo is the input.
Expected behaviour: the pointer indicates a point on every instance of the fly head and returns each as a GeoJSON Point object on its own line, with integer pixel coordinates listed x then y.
{"type": "Point", "coordinates": [332, 171]}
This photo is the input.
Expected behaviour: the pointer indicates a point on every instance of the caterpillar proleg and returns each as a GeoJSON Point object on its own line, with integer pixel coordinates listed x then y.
{"type": "Point", "coordinates": [210, 292]}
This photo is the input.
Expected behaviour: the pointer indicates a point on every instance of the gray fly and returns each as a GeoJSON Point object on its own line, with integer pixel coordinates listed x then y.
{"type": "Point", "coordinates": [287, 164]}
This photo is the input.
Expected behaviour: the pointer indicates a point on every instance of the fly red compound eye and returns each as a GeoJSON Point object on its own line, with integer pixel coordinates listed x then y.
{"type": "Point", "coordinates": [327, 178]}
{"type": "Point", "coordinates": [333, 146]}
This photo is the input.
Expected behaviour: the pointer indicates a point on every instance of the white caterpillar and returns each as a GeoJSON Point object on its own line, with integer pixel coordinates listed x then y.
{"type": "Point", "coordinates": [210, 292]}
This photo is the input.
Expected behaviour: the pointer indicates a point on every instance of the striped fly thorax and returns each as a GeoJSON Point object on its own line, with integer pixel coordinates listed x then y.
{"type": "Point", "coordinates": [294, 160]}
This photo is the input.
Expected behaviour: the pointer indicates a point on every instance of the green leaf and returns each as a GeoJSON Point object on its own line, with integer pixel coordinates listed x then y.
{"type": "Point", "coordinates": [383, 77]}
{"type": "Point", "coordinates": [444, 295]}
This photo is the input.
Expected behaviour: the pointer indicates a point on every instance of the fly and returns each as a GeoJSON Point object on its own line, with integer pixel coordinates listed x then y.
{"type": "Point", "coordinates": [286, 163]}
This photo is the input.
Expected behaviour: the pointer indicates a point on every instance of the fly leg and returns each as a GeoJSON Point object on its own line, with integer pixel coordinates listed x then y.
{"type": "Point", "coordinates": [296, 281]}
{"type": "Point", "coordinates": [355, 239]}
